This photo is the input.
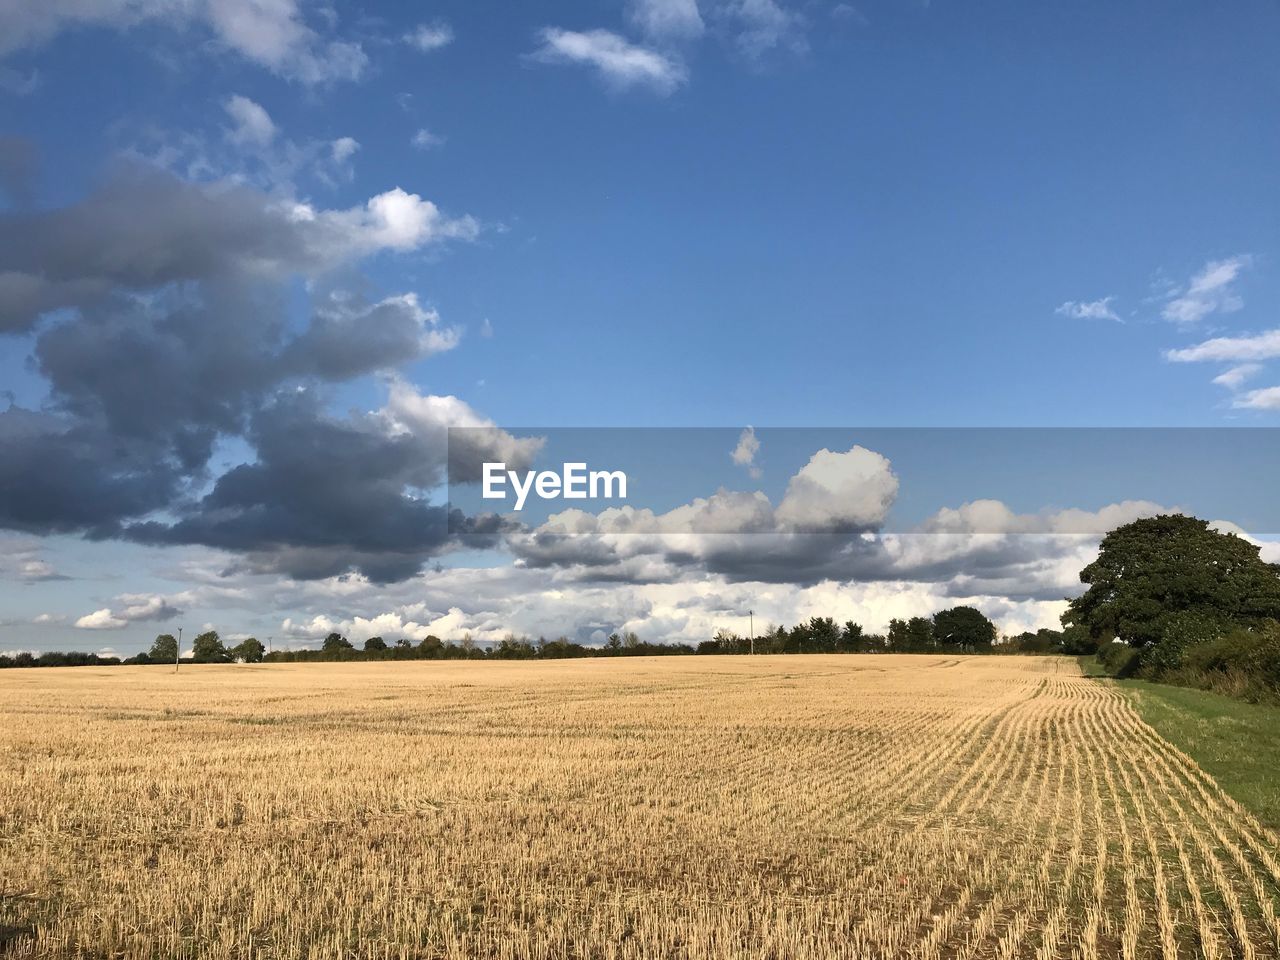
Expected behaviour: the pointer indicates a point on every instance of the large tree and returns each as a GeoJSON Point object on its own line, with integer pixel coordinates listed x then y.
{"type": "Point", "coordinates": [249, 650]}
{"type": "Point", "coordinates": [963, 628]}
{"type": "Point", "coordinates": [165, 648]}
{"type": "Point", "coordinates": [1157, 571]}
{"type": "Point", "coordinates": [208, 648]}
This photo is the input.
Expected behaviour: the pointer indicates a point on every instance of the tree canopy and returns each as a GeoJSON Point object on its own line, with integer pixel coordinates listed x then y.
{"type": "Point", "coordinates": [1155, 572]}
{"type": "Point", "coordinates": [963, 628]}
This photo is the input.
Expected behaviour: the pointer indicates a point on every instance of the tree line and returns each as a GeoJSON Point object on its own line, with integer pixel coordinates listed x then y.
{"type": "Point", "coordinates": [959, 629]}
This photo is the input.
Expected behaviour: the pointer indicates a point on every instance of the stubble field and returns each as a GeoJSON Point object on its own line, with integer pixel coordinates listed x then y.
{"type": "Point", "coordinates": [785, 807]}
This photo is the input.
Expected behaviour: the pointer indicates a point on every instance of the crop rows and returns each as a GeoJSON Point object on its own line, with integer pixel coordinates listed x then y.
{"type": "Point", "coordinates": [874, 806]}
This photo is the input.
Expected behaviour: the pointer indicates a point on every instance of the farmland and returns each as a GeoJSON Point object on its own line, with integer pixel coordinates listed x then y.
{"type": "Point", "coordinates": [824, 806]}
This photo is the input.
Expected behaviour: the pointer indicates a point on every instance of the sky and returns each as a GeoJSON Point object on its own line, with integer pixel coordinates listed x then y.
{"type": "Point", "coordinates": [257, 260]}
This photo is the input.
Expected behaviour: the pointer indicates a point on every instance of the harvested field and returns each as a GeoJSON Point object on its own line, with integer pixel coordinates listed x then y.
{"type": "Point", "coordinates": [786, 807]}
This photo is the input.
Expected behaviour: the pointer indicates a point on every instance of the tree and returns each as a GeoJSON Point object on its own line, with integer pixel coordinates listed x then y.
{"type": "Point", "coordinates": [336, 643]}
{"type": "Point", "coordinates": [249, 650]}
{"type": "Point", "coordinates": [374, 644]}
{"type": "Point", "coordinates": [1152, 570]}
{"type": "Point", "coordinates": [963, 628]}
{"type": "Point", "coordinates": [208, 648]}
{"type": "Point", "coordinates": [164, 649]}
{"type": "Point", "coordinates": [402, 643]}
{"type": "Point", "coordinates": [852, 639]}
{"type": "Point", "coordinates": [920, 634]}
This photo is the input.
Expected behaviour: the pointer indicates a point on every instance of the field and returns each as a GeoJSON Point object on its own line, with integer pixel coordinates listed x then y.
{"type": "Point", "coordinates": [784, 807]}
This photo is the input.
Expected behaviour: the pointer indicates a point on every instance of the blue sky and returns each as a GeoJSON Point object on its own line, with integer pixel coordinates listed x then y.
{"type": "Point", "coordinates": [668, 213]}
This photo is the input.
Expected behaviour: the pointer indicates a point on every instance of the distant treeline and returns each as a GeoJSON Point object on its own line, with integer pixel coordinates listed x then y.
{"type": "Point", "coordinates": [956, 630]}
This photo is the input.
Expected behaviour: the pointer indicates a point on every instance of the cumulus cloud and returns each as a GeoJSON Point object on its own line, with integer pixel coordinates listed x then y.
{"type": "Point", "coordinates": [133, 608]}
{"type": "Point", "coordinates": [187, 285]}
{"type": "Point", "coordinates": [20, 560]}
{"type": "Point", "coordinates": [1209, 291]}
{"type": "Point", "coordinates": [145, 228]}
{"type": "Point", "coordinates": [1089, 310]}
{"type": "Point", "coordinates": [327, 495]}
{"type": "Point", "coordinates": [744, 454]}
{"type": "Point", "coordinates": [840, 492]}
{"type": "Point", "coordinates": [620, 63]}
{"type": "Point", "coordinates": [273, 35]}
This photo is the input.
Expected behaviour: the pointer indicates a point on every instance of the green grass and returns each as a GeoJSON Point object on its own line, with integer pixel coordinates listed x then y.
{"type": "Point", "coordinates": [1237, 743]}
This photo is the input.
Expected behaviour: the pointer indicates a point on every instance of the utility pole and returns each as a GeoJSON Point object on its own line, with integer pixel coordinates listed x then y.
{"type": "Point", "coordinates": [752, 615]}
{"type": "Point", "coordinates": [178, 652]}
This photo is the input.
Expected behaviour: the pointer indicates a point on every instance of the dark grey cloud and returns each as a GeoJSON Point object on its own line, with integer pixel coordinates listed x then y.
{"type": "Point", "coordinates": [17, 169]}
{"type": "Point", "coordinates": [60, 476]}
{"type": "Point", "coordinates": [325, 496]}
{"type": "Point", "coordinates": [164, 316]}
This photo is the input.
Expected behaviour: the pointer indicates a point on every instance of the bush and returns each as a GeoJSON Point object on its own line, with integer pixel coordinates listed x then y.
{"type": "Point", "coordinates": [1180, 633]}
{"type": "Point", "coordinates": [1120, 659]}
{"type": "Point", "coordinates": [1243, 663]}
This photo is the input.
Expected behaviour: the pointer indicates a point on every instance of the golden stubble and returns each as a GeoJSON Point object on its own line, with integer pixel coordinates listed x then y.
{"type": "Point", "coordinates": [783, 807]}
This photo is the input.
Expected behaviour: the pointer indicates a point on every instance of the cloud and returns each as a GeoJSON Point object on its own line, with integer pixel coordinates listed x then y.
{"type": "Point", "coordinates": [253, 125]}
{"type": "Point", "coordinates": [135, 608]}
{"type": "Point", "coordinates": [145, 228]}
{"type": "Point", "coordinates": [430, 36]}
{"type": "Point", "coordinates": [424, 139]}
{"type": "Point", "coordinates": [666, 19]}
{"type": "Point", "coordinates": [1268, 398]}
{"type": "Point", "coordinates": [839, 492]}
{"type": "Point", "coordinates": [100, 620]}
{"type": "Point", "coordinates": [1208, 292]}
{"type": "Point", "coordinates": [343, 149]}
{"type": "Point", "coordinates": [744, 454]}
{"type": "Point", "coordinates": [620, 63]}
{"type": "Point", "coordinates": [1262, 346]}
{"type": "Point", "coordinates": [1089, 310]}
{"type": "Point", "coordinates": [20, 560]}
{"type": "Point", "coordinates": [192, 288]}
{"type": "Point", "coordinates": [17, 169]}
{"type": "Point", "coordinates": [348, 338]}
{"type": "Point", "coordinates": [271, 34]}
{"type": "Point", "coordinates": [1237, 375]}
{"type": "Point", "coordinates": [327, 495]}
{"type": "Point", "coordinates": [762, 26]}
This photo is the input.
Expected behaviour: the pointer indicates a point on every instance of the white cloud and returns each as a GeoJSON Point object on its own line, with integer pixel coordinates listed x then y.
{"type": "Point", "coordinates": [667, 19]}
{"type": "Point", "coordinates": [424, 139]}
{"type": "Point", "coordinates": [839, 491]}
{"type": "Point", "coordinates": [133, 608]}
{"type": "Point", "coordinates": [430, 36]}
{"type": "Point", "coordinates": [1233, 378]}
{"type": "Point", "coordinates": [20, 560]}
{"type": "Point", "coordinates": [1089, 310]}
{"type": "Point", "coordinates": [1262, 346]}
{"type": "Point", "coordinates": [270, 33]}
{"type": "Point", "coordinates": [1208, 292]}
{"type": "Point", "coordinates": [744, 454]}
{"type": "Point", "coordinates": [763, 26]}
{"type": "Point", "coordinates": [100, 620]}
{"type": "Point", "coordinates": [253, 126]}
{"type": "Point", "coordinates": [621, 64]}
{"type": "Point", "coordinates": [1268, 398]}
{"type": "Point", "coordinates": [343, 149]}
{"type": "Point", "coordinates": [394, 220]}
